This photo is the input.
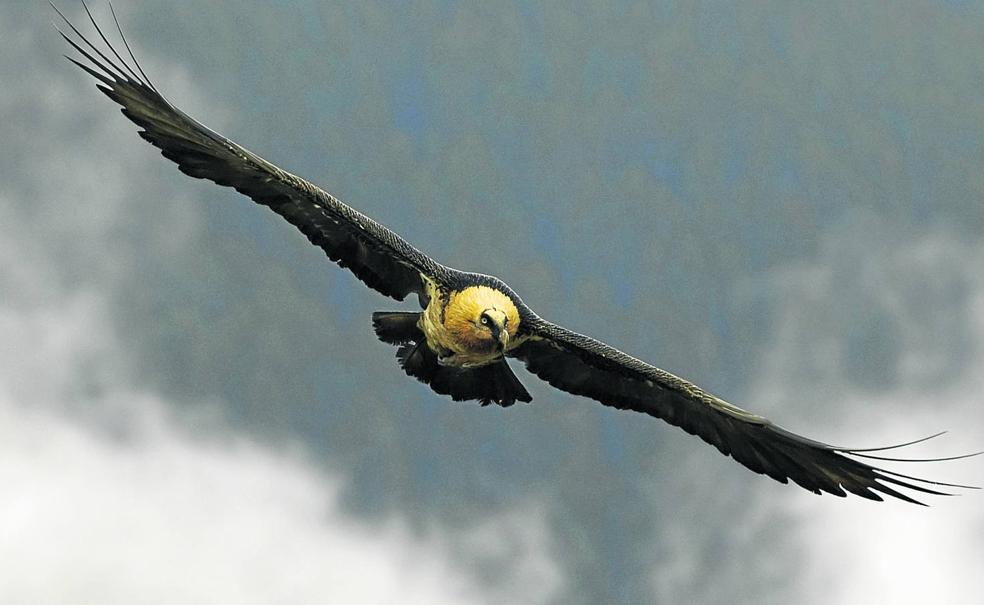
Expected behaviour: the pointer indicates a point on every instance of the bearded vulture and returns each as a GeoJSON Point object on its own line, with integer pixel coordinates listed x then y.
{"type": "Point", "coordinates": [469, 323]}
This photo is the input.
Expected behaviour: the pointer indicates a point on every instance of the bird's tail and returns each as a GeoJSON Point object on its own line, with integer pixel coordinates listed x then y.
{"type": "Point", "coordinates": [396, 327]}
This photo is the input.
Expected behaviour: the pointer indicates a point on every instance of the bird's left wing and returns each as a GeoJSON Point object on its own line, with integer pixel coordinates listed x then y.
{"type": "Point", "coordinates": [584, 366]}
{"type": "Point", "coordinates": [376, 255]}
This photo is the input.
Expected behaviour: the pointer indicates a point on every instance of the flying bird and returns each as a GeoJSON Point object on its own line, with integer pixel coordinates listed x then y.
{"type": "Point", "coordinates": [469, 324]}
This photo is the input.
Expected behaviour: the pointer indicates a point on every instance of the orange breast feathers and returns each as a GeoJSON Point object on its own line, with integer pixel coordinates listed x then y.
{"type": "Point", "coordinates": [464, 310]}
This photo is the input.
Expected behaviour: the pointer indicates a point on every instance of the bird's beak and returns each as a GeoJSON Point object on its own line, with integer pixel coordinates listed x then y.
{"type": "Point", "coordinates": [503, 339]}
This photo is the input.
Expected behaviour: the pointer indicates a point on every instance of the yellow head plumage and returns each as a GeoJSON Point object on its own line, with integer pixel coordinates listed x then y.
{"type": "Point", "coordinates": [480, 317]}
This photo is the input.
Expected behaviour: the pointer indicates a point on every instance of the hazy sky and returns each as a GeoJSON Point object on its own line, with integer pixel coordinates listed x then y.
{"type": "Point", "coordinates": [782, 202]}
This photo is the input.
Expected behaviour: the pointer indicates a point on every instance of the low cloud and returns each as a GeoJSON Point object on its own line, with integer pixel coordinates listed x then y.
{"type": "Point", "coordinates": [112, 497]}
{"type": "Point", "coordinates": [156, 515]}
{"type": "Point", "coordinates": [931, 293]}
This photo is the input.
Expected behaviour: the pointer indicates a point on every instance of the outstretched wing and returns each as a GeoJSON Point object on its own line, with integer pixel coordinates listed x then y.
{"type": "Point", "coordinates": [376, 255]}
{"type": "Point", "coordinates": [584, 366]}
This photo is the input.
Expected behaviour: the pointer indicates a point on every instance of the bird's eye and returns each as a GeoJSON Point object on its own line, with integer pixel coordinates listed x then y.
{"type": "Point", "coordinates": [485, 320]}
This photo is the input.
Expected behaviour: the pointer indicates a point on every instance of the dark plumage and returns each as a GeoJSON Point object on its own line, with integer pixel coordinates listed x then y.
{"type": "Point", "coordinates": [471, 323]}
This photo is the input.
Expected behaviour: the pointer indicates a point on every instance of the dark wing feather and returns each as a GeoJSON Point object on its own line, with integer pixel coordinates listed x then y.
{"type": "Point", "coordinates": [584, 366]}
{"type": "Point", "coordinates": [376, 255]}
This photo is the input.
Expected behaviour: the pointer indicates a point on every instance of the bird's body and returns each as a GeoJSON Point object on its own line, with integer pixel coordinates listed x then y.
{"type": "Point", "coordinates": [469, 324]}
{"type": "Point", "coordinates": [459, 342]}
{"type": "Point", "coordinates": [470, 327]}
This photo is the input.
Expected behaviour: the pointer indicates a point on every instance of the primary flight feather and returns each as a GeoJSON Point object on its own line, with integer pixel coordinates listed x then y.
{"type": "Point", "coordinates": [471, 323]}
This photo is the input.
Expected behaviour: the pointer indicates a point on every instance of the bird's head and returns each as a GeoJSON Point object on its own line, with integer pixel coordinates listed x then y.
{"type": "Point", "coordinates": [481, 318]}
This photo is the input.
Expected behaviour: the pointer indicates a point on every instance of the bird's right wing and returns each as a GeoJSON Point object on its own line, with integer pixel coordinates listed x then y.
{"type": "Point", "coordinates": [377, 256]}
{"type": "Point", "coordinates": [584, 366]}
